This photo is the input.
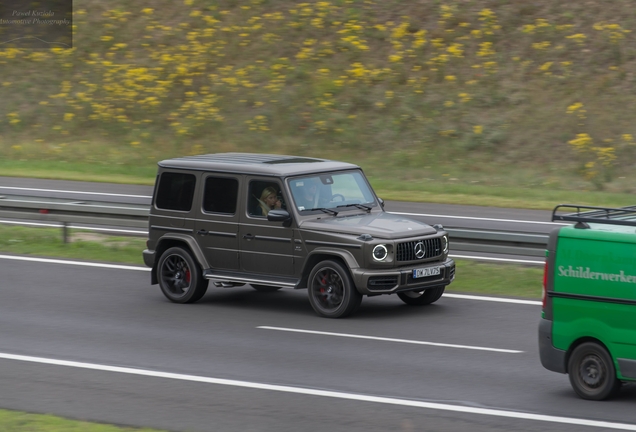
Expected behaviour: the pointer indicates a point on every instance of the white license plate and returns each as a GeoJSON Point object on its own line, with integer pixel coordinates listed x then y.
{"type": "Point", "coordinates": [423, 272]}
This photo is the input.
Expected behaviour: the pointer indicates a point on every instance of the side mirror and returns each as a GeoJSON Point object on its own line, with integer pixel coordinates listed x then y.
{"type": "Point", "coordinates": [279, 215]}
{"type": "Point", "coordinates": [381, 202]}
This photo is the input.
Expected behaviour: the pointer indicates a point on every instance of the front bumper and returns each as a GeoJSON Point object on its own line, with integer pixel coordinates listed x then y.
{"type": "Point", "coordinates": [401, 279]}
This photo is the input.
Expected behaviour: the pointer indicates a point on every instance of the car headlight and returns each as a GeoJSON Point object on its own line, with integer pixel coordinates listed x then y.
{"type": "Point", "coordinates": [380, 252]}
{"type": "Point", "coordinates": [445, 244]}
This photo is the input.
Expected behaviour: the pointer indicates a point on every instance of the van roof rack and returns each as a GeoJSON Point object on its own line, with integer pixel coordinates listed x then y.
{"type": "Point", "coordinates": [605, 215]}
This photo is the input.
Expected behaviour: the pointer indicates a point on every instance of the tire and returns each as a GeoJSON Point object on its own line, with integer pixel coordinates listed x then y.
{"type": "Point", "coordinates": [331, 290]}
{"type": "Point", "coordinates": [592, 373]}
{"type": "Point", "coordinates": [265, 288]}
{"type": "Point", "coordinates": [180, 277]}
{"type": "Point", "coordinates": [419, 298]}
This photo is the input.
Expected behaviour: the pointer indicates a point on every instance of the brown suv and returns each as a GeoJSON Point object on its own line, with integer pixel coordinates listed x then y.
{"type": "Point", "coordinates": [275, 221]}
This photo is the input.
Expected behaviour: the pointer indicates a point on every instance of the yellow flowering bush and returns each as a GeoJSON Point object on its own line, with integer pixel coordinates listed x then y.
{"type": "Point", "coordinates": [351, 74]}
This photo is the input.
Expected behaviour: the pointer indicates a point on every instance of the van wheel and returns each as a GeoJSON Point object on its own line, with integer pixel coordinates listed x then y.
{"type": "Point", "coordinates": [331, 290]}
{"type": "Point", "coordinates": [418, 298]}
{"type": "Point", "coordinates": [592, 372]}
{"type": "Point", "coordinates": [180, 276]}
{"type": "Point", "coordinates": [265, 288]}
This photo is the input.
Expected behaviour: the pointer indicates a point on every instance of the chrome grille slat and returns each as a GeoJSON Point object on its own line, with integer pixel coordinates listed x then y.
{"type": "Point", "coordinates": [405, 251]}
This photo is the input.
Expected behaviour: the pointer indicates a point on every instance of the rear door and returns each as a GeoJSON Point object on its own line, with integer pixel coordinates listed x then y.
{"type": "Point", "coordinates": [217, 227]}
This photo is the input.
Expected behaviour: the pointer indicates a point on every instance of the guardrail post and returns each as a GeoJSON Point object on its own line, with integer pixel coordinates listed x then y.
{"type": "Point", "coordinates": [65, 232]}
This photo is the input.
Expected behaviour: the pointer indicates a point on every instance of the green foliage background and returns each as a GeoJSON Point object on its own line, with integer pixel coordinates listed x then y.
{"type": "Point", "coordinates": [488, 92]}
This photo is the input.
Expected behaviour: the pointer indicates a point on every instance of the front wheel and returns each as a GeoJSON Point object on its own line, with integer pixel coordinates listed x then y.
{"type": "Point", "coordinates": [180, 277]}
{"type": "Point", "coordinates": [592, 373]}
{"type": "Point", "coordinates": [331, 290]}
{"type": "Point", "coordinates": [419, 298]}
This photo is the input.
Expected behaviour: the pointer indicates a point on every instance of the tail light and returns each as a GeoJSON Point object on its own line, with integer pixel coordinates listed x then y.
{"type": "Point", "coordinates": [544, 295]}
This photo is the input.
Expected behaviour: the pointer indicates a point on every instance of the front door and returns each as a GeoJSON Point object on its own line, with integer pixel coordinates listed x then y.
{"type": "Point", "coordinates": [266, 247]}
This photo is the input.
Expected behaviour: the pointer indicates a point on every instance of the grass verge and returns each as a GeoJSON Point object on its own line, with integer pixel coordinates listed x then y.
{"type": "Point", "coordinates": [17, 421]}
{"type": "Point", "coordinates": [81, 245]}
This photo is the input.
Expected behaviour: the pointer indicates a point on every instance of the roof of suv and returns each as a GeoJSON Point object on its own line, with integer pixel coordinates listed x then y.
{"type": "Point", "coordinates": [254, 163]}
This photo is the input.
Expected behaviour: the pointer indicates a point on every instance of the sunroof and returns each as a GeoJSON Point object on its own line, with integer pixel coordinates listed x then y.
{"type": "Point", "coordinates": [292, 160]}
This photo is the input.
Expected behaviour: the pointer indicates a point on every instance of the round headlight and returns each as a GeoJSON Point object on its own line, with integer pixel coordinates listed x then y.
{"type": "Point", "coordinates": [380, 252]}
{"type": "Point", "coordinates": [445, 243]}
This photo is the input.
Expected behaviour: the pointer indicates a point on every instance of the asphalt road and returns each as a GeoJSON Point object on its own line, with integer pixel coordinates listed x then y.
{"type": "Point", "coordinates": [232, 363]}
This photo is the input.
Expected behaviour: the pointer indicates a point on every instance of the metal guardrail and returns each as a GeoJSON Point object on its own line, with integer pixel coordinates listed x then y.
{"type": "Point", "coordinates": [67, 213]}
{"type": "Point", "coordinates": [498, 242]}
{"type": "Point", "coordinates": [71, 213]}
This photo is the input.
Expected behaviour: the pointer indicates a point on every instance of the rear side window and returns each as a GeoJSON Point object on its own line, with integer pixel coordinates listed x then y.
{"type": "Point", "coordinates": [220, 195]}
{"type": "Point", "coordinates": [175, 191]}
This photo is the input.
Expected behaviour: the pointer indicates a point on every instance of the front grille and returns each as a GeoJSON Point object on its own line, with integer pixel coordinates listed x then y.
{"type": "Point", "coordinates": [406, 251]}
{"type": "Point", "coordinates": [382, 282]}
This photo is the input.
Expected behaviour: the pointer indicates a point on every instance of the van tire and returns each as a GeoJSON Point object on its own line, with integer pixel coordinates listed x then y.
{"type": "Point", "coordinates": [592, 373]}
{"type": "Point", "coordinates": [419, 298]}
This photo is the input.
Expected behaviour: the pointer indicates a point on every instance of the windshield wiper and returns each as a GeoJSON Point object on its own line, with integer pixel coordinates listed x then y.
{"type": "Point", "coordinates": [360, 206]}
{"type": "Point", "coordinates": [326, 210]}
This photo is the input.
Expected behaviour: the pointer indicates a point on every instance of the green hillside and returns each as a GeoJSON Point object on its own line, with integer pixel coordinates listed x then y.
{"type": "Point", "coordinates": [490, 93]}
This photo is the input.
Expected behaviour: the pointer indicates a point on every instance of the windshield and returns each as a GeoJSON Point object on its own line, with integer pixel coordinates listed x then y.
{"type": "Point", "coordinates": [331, 191]}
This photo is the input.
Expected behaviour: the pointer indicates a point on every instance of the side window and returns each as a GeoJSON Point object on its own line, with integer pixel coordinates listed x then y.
{"type": "Point", "coordinates": [220, 195]}
{"type": "Point", "coordinates": [264, 196]}
{"type": "Point", "coordinates": [175, 191]}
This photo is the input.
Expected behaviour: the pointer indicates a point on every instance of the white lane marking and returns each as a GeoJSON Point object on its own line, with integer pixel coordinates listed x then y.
{"type": "Point", "coordinates": [49, 225]}
{"type": "Point", "coordinates": [481, 218]}
{"type": "Point", "coordinates": [74, 192]}
{"type": "Point", "coordinates": [76, 263]}
{"type": "Point", "coordinates": [493, 299]}
{"type": "Point", "coordinates": [508, 260]}
{"type": "Point", "coordinates": [327, 393]}
{"type": "Point", "coordinates": [384, 339]}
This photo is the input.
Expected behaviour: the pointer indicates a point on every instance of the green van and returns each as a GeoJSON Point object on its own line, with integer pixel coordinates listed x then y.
{"type": "Point", "coordinates": [588, 322]}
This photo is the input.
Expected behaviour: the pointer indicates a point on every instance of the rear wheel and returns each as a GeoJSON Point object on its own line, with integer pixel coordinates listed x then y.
{"type": "Point", "coordinates": [180, 276]}
{"type": "Point", "coordinates": [418, 298]}
{"type": "Point", "coordinates": [331, 290]}
{"type": "Point", "coordinates": [265, 288]}
{"type": "Point", "coordinates": [592, 373]}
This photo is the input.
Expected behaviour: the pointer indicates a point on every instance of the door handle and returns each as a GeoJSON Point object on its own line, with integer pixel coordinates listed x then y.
{"type": "Point", "coordinates": [248, 236]}
{"type": "Point", "coordinates": [202, 232]}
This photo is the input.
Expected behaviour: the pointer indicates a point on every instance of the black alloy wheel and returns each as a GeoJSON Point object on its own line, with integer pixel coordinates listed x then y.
{"type": "Point", "coordinates": [180, 277]}
{"type": "Point", "coordinates": [331, 291]}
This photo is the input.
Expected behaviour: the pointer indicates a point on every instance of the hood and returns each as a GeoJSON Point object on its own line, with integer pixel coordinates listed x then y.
{"type": "Point", "coordinates": [379, 225]}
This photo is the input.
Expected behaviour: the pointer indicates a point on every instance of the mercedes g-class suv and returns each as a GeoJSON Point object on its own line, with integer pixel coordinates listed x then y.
{"type": "Point", "coordinates": [274, 221]}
